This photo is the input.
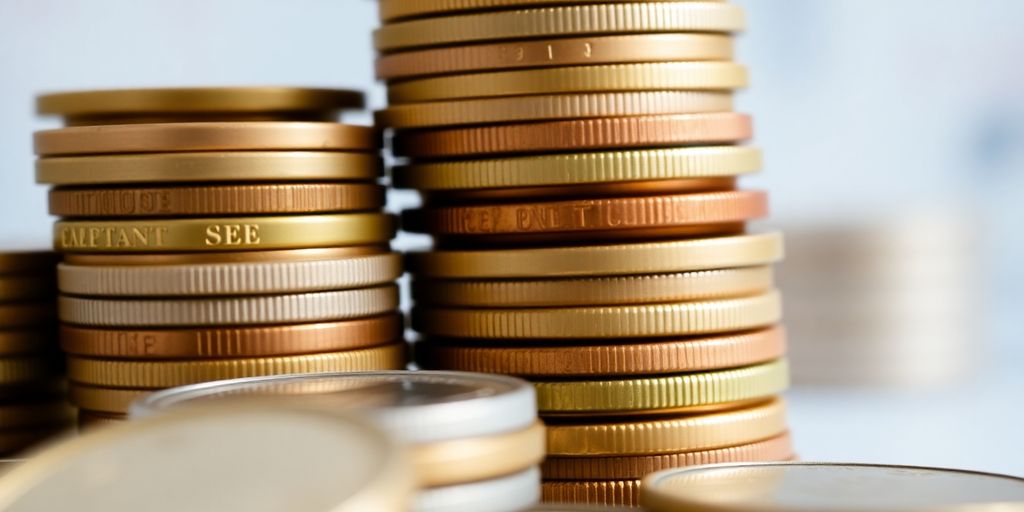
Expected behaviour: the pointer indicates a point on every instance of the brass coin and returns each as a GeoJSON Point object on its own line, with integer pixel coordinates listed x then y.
{"type": "Point", "coordinates": [391, 10]}
{"type": "Point", "coordinates": [28, 262]}
{"type": "Point", "coordinates": [581, 134]}
{"type": "Point", "coordinates": [474, 459]}
{"type": "Point", "coordinates": [27, 287]}
{"type": "Point", "coordinates": [26, 341]}
{"type": "Point", "coordinates": [625, 493]}
{"type": "Point", "coordinates": [17, 315]}
{"type": "Point", "coordinates": [104, 400]}
{"type": "Point", "coordinates": [217, 258]}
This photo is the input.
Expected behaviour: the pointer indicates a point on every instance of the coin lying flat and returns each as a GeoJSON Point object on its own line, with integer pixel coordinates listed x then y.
{"type": "Point", "coordinates": [509, 493]}
{"type": "Point", "coordinates": [601, 492]}
{"type": "Point", "coordinates": [392, 10]}
{"type": "Point", "coordinates": [221, 457]}
{"type": "Point", "coordinates": [820, 486]}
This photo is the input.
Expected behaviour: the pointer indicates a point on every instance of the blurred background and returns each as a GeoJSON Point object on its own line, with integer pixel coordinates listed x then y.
{"type": "Point", "coordinates": [894, 136]}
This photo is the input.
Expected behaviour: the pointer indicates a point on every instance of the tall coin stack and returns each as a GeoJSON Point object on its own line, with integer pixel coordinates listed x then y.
{"type": "Point", "coordinates": [216, 233]}
{"type": "Point", "coordinates": [32, 393]}
{"type": "Point", "coordinates": [578, 163]}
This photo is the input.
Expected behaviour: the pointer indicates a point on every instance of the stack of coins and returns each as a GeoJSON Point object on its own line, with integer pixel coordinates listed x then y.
{"type": "Point", "coordinates": [198, 250]}
{"type": "Point", "coordinates": [475, 439]}
{"type": "Point", "coordinates": [251, 457]}
{"type": "Point", "coordinates": [578, 162]}
{"type": "Point", "coordinates": [32, 394]}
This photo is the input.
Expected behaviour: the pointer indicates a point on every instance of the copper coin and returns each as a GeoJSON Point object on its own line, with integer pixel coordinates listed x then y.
{"type": "Point", "coordinates": [26, 341]}
{"type": "Point", "coordinates": [581, 191]}
{"type": "Point", "coordinates": [314, 254]}
{"type": "Point", "coordinates": [27, 314]}
{"type": "Point", "coordinates": [582, 134]}
{"type": "Point", "coordinates": [632, 467]}
{"type": "Point", "coordinates": [592, 360]}
{"type": "Point", "coordinates": [592, 218]}
{"type": "Point", "coordinates": [667, 47]}
{"type": "Point", "coordinates": [231, 342]}
{"type": "Point", "coordinates": [215, 200]}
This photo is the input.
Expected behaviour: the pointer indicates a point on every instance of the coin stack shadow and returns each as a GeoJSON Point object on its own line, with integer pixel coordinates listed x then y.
{"type": "Point", "coordinates": [578, 164]}
{"type": "Point", "coordinates": [33, 404]}
{"type": "Point", "coordinates": [216, 233]}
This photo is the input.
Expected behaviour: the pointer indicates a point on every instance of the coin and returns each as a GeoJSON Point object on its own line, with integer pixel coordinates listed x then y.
{"type": "Point", "coordinates": [258, 310]}
{"type": "Point", "coordinates": [578, 191]}
{"type": "Point", "coordinates": [576, 20]}
{"type": "Point", "coordinates": [607, 492]}
{"type": "Point", "coordinates": [418, 407]}
{"type": "Point", "coordinates": [801, 486]}
{"type": "Point", "coordinates": [510, 493]}
{"type": "Point", "coordinates": [692, 214]}
{"type": "Point", "coordinates": [104, 400]}
{"type": "Point", "coordinates": [635, 467]}
{"type": "Point", "coordinates": [230, 278]}
{"type": "Point", "coordinates": [88, 420]}
{"type": "Point", "coordinates": [203, 258]}
{"type": "Point", "coordinates": [211, 136]}
{"type": "Point", "coordinates": [33, 262]}
{"type": "Point", "coordinates": [600, 260]}
{"type": "Point", "coordinates": [207, 167]}
{"type": "Point", "coordinates": [391, 10]}
{"type": "Point", "coordinates": [220, 456]}
{"type": "Point", "coordinates": [215, 200]}
{"type": "Point", "coordinates": [162, 374]}
{"type": "Point", "coordinates": [617, 168]}
{"type": "Point", "coordinates": [478, 458]}
{"type": "Point", "coordinates": [16, 315]}
{"type": "Point", "coordinates": [555, 53]}
{"type": "Point", "coordinates": [628, 289]}
{"type": "Point", "coordinates": [42, 414]}
{"type": "Point", "coordinates": [197, 104]}
{"type": "Point", "coordinates": [636, 358]}
{"type": "Point", "coordinates": [563, 106]}
{"type": "Point", "coordinates": [681, 318]}
{"type": "Point", "coordinates": [667, 435]}
{"type": "Point", "coordinates": [25, 341]}
{"type": "Point", "coordinates": [27, 287]}
{"type": "Point", "coordinates": [224, 233]}
{"type": "Point", "coordinates": [580, 134]}
{"type": "Point", "coordinates": [619, 396]}
{"type": "Point", "coordinates": [643, 76]}
{"type": "Point", "coordinates": [228, 342]}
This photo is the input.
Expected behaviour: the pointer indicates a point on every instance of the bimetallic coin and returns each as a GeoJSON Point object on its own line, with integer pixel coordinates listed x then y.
{"type": "Point", "coordinates": [560, 52]}
{"type": "Point", "coordinates": [219, 455]}
{"type": "Point", "coordinates": [208, 167]}
{"type": "Point", "coordinates": [606, 492]}
{"type": "Point", "coordinates": [224, 233]}
{"type": "Point", "coordinates": [581, 134]}
{"type": "Point", "coordinates": [569, 172]}
{"type": "Point", "coordinates": [598, 291]}
{"type": "Point", "coordinates": [230, 278]}
{"type": "Point", "coordinates": [163, 374]}
{"type": "Point", "coordinates": [676, 392]}
{"type": "Point", "coordinates": [540, 108]}
{"type": "Point", "coordinates": [126, 106]}
{"type": "Point", "coordinates": [510, 493]}
{"type": "Point", "coordinates": [644, 76]}
{"type": "Point", "coordinates": [391, 10]}
{"type": "Point", "coordinates": [231, 342]}
{"type": "Point", "coordinates": [654, 320]}
{"type": "Point", "coordinates": [418, 407]}
{"type": "Point", "coordinates": [600, 260]}
{"type": "Point", "coordinates": [185, 137]}
{"type": "Point", "coordinates": [548, 22]}
{"type": "Point", "coordinates": [809, 487]}
{"type": "Point", "coordinates": [588, 219]}
{"type": "Point", "coordinates": [589, 360]}
{"type": "Point", "coordinates": [666, 435]}
{"type": "Point", "coordinates": [215, 200]}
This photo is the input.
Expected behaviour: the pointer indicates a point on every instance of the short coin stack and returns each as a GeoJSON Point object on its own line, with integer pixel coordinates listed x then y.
{"type": "Point", "coordinates": [475, 439]}
{"type": "Point", "coordinates": [198, 251]}
{"type": "Point", "coordinates": [32, 402]}
{"type": "Point", "coordinates": [578, 165]}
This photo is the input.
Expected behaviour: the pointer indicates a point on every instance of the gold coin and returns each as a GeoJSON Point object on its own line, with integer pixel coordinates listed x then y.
{"type": "Point", "coordinates": [235, 311]}
{"type": "Point", "coordinates": [625, 493]}
{"type": "Point", "coordinates": [580, 168]}
{"type": "Point", "coordinates": [576, 20]}
{"type": "Point", "coordinates": [600, 260]}
{"type": "Point", "coordinates": [230, 278]}
{"type": "Point", "coordinates": [199, 103]}
{"type": "Point", "coordinates": [391, 10]}
{"type": "Point", "coordinates": [564, 106]}
{"type": "Point", "coordinates": [209, 167]}
{"type": "Point", "coordinates": [680, 318]}
{"type": "Point", "coordinates": [644, 76]}
{"type": "Point", "coordinates": [153, 375]}
{"type": "Point", "coordinates": [20, 370]}
{"type": "Point", "coordinates": [224, 234]}
{"type": "Point", "coordinates": [21, 287]}
{"type": "Point", "coordinates": [667, 435]}
{"type": "Point", "coordinates": [474, 459]}
{"type": "Point", "coordinates": [614, 396]}
{"type": "Point", "coordinates": [104, 400]}
{"type": "Point", "coordinates": [185, 137]}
